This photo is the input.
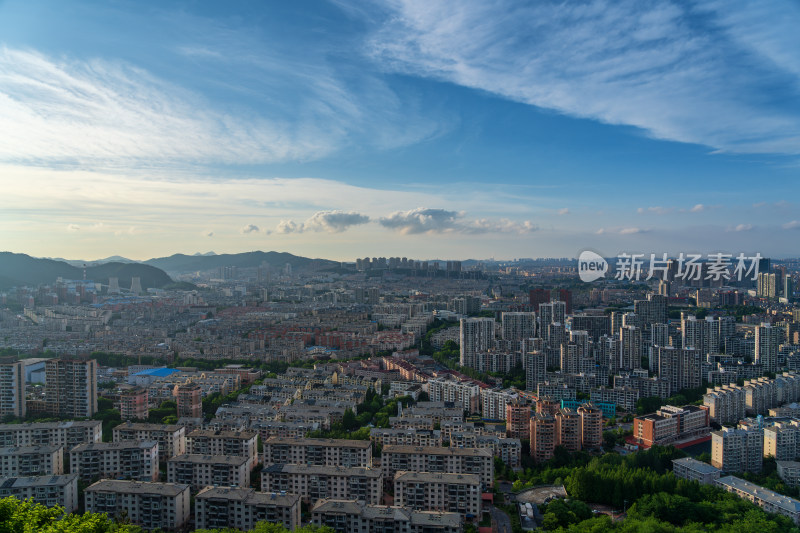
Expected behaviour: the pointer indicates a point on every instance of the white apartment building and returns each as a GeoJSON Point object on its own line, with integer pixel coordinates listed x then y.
{"type": "Point", "coordinates": [493, 403]}
{"type": "Point", "coordinates": [789, 472]}
{"type": "Point", "coordinates": [694, 470]}
{"type": "Point", "coordinates": [171, 438]}
{"type": "Point", "coordinates": [453, 493]}
{"type": "Point", "coordinates": [438, 460]}
{"type": "Point", "coordinates": [66, 434]}
{"type": "Point", "coordinates": [12, 388]}
{"type": "Point", "coordinates": [209, 470]}
{"type": "Point", "coordinates": [770, 501]}
{"type": "Point", "coordinates": [346, 516]}
{"type": "Point", "coordinates": [210, 442]}
{"type": "Point", "coordinates": [47, 490]}
{"type": "Point", "coordinates": [31, 461]}
{"type": "Point", "coordinates": [477, 335]}
{"type": "Point", "coordinates": [147, 505]}
{"type": "Point", "coordinates": [221, 508]}
{"type": "Point", "coordinates": [313, 483]}
{"type": "Point", "coordinates": [766, 351]}
{"type": "Point", "coordinates": [137, 460]}
{"type": "Point", "coordinates": [780, 441]}
{"type": "Point", "coordinates": [737, 450]}
{"type": "Point", "coordinates": [408, 437]}
{"type": "Point", "coordinates": [465, 395]}
{"type": "Point", "coordinates": [319, 452]}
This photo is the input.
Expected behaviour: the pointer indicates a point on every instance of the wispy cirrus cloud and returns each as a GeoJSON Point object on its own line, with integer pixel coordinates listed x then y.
{"type": "Point", "coordinates": [102, 113]}
{"type": "Point", "coordinates": [630, 63]}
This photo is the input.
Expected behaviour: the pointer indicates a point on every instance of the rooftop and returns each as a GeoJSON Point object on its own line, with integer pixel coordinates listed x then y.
{"type": "Point", "coordinates": [249, 496]}
{"type": "Point", "coordinates": [138, 487]}
{"type": "Point", "coordinates": [778, 500]}
{"type": "Point", "coordinates": [36, 481]}
{"type": "Point", "coordinates": [121, 445]}
{"type": "Point", "coordinates": [157, 372]}
{"type": "Point", "coordinates": [435, 450]}
{"type": "Point", "coordinates": [360, 471]}
{"type": "Point", "coordinates": [437, 477]}
{"type": "Point", "coordinates": [697, 466]}
{"type": "Point", "coordinates": [337, 443]}
{"type": "Point", "coordinates": [235, 460]}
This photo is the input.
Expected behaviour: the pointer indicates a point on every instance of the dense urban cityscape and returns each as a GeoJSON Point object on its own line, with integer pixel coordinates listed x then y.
{"type": "Point", "coordinates": [429, 395]}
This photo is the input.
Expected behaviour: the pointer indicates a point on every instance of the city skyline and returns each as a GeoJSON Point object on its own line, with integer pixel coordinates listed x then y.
{"type": "Point", "coordinates": [418, 129]}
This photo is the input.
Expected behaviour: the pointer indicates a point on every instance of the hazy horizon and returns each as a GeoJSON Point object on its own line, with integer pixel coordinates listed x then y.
{"type": "Point", "coordinates": [421, 129]}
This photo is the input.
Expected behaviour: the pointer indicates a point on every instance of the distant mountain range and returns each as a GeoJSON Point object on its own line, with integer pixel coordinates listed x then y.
{"type": "Point", "coordinates": [181, 263]}
{"type": "Point", "coordinates": [21, 269]}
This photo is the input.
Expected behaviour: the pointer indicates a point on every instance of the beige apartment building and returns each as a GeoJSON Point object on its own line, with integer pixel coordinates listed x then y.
{"type": "Point", "coordinates": [439, 460]}
{"type": "Point", "coordinates": [66, 434]}
{"type": "Point", "coordinates": [209, 470]}
{"type": "Point", "coordinates": [27, 461]}
{"type": "Point", "coordinates": [47, 490]}
{"type": "Point", "coordinates": [243, 508]}
{"type": "Point", "coordinates": [313, 483]}
{"type": "Point", "coordinates": [320, 452]}
{"type": "Point", "coordinates": [137, 460]}
{"type": "Point", "coordinates": [428, 491]}
{"type": "Point", "coordinates": [346, 516]}
{"type": "Point", "coordinates": [148, 505]}
{"type": "Point", "coordinates": [171, 438]}
{"type": "Point", "coordinates": [211, 442]}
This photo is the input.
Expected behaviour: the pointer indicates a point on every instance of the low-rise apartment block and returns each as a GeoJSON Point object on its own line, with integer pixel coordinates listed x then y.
{"type": "Point", "coordinates": [210, 442]}
{"type": "Point", "coordinates": [47, 490]}
{"type": "Point", "coordinates": [408, 437]}
{"type": "Point", "coordinates": [789, 472]}
{"type": "Point", "coordinates": [320, 452]}
{"type": "Point", "coordinates": [148, 505]}
{"type": "Point", "coordinates": [317, 482]}
{"type": "Point", "coordinates": [694, 470]}
{"type": "Point", "coordinates": [770, 501]}
{"type": "Point", "coordinates": [171, 438]}
{"type": "Point", "coordinates": [454, 493]}
{"type": "Point", "coordinates": [137, 460]}
{"type": "Point", "coordinates": [220, 508]}
{"type": "Point", "coordinates": [439, 460]}
{"type": "Point", "coordinates": [346, 516]}
{"type": "Point", "coordinates": [279, 428]}
{"type": "Point", "coordinates": [31, 461]}
{"type": "Point", "coordinates": [66, 434]}
{"type": "Point", "coordinates": [209, 470]}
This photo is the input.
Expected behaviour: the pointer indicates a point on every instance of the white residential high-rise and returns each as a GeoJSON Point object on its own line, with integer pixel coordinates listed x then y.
{"type": "Point", "coordinates": [12, 388]}
{"type": "Point", "coordinates": [518, 326]}
{"type": "Point", "coordinates": [477, 335]}
{"type": "Point", "coordinates": [702, 335]}
{"type": "Point", "coordinates": [630, 347]}
{"type": "Point", "coordinates": [766, 351]}
{"type": "Point", "coordinates": [535, 369]}
{"type": "Point", "coordinates": [71, 388]}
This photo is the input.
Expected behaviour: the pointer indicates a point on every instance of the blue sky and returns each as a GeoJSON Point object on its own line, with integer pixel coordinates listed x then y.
{"type": "Point", "coordinates": [422, 129]}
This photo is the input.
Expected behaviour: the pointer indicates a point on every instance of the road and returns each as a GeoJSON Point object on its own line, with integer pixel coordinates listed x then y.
{"type": "Point", "coordinates": [501, 519]}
